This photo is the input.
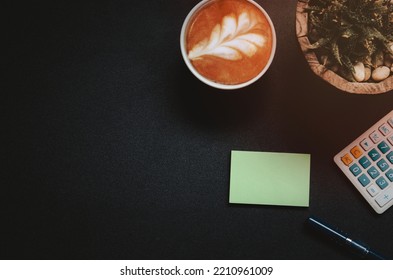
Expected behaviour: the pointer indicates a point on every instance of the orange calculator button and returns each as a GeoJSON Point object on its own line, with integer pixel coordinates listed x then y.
{"type": "Point", "coordinates": [347, 159]}
{"type": "Point", "coordinates": [356, 152]}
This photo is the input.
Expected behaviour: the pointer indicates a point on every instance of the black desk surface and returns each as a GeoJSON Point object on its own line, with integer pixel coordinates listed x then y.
{"type": "Point", "coordinates": [113, 150]}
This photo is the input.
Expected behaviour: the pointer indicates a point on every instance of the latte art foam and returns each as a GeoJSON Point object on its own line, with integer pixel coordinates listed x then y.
{"type": "Point", "coordinates": [229, 41]}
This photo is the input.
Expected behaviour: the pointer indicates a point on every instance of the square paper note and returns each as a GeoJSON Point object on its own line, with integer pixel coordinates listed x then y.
{"type": "Point", "coordinates": [270, 178]}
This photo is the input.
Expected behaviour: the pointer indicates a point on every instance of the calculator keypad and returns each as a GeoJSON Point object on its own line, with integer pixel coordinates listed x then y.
{"type": "Point", "coordinates": [368, 163]}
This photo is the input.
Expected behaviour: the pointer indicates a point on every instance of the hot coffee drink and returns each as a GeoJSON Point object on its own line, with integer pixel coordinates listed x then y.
{"type": "Point", "coordinates": [229, 42]}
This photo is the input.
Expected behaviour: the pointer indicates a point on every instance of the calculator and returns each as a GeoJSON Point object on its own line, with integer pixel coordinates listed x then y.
{"type": "Point", "coordinates": [368, 164]}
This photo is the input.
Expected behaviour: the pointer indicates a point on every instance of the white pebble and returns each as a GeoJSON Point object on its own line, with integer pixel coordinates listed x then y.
{"type": "Point", "coordinates": [359, 73]}
{"type": "Point", "coordinates": [367, 71]}
{"type": "Point", "coordinates": [380, 73]}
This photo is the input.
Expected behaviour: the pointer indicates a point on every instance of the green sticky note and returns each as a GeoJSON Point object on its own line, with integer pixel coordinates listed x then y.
{"type": "Point", "coordinates": [270, 178]}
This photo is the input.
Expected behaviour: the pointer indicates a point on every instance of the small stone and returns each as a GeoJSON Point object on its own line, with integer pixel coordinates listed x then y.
{"type": "Point", "coordinates": [367, 72]}
{"type": "Point", "coordinates": [359, 73]}
{"type": "Point", "coordinates": [380, 73]}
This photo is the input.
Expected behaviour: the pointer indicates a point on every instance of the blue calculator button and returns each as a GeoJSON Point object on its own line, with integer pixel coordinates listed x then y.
{"type": "Point", "coordinates": [389, 174]}
{"type": "Point", "coordinates": [374, 155]}
{"type": "Point", "coordinates": [383, 147]}
{"type": "Point", "coordinates": [365, 162]}
{"type": "Point", "coordinates": [381, 182]}
{"type": "Point", "coordinates": [383, 165]}
{"type": "Point", "coordinates": [364, 180]}
{"type": "Point", "coordinates": [390, 157]}
{"type": "Point", "coordinates": [373, 172]}
{"type": "Point", "coordinates": [355, 169]}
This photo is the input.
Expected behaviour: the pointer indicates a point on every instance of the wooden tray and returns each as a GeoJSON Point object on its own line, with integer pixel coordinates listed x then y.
{"type": "Point", "coordinates": [323, 72]}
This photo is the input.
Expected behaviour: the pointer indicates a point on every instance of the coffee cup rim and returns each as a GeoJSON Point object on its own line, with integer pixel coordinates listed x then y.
{"type": "Point", "coordinates": [208, 81]}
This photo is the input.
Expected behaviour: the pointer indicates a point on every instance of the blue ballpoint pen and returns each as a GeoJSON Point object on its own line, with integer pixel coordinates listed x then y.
{"type": "Point", "coordinates": [342, 238]}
